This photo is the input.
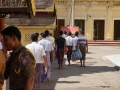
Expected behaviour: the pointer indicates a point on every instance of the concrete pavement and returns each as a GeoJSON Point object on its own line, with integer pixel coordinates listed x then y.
{"type": "Point", "coordinates": [99, 74]}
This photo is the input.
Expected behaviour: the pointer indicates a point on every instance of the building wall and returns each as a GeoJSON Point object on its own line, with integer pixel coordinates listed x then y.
{"type": "Point", "coordinates": [90, 10]}
{"type": "Point", "coordinates": [26, 31]}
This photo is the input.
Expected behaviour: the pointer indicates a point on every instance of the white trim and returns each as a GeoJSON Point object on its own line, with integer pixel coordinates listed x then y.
{"type": "Point", "coordinates": [116, 19]}
{"type": "Point", "coordinates": [99, 18]}
{"type": "Point", "coordinates": [80, 18]}
{"type": "Point", "coordinates": [61, 18]}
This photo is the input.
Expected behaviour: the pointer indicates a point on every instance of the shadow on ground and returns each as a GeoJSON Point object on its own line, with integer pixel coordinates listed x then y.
{"type": "Point", "coordinates": [73, 70]}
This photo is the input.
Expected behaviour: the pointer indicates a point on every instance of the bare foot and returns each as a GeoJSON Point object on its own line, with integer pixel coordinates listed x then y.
{"type": "Point", "coordinates": [48, 79]}
{"type": "Point", "coordinates": [83, 65]}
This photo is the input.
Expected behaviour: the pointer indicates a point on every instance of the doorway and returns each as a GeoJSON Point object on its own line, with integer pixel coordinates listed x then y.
{"type": "Point", "coordinates": [99, 29]}
{"type": "Point", "coordinates": [116, 29]}
{"type": "Point", "coordinates": [60, 22]}
{"type": "Point", "coordinates": [80, 23]}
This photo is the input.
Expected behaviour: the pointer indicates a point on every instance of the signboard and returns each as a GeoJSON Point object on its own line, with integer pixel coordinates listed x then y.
{"type": "Point", "coordinates": [70, 29]}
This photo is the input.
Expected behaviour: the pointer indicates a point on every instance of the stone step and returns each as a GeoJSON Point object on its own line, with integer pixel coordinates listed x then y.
{"type": "Point", "coordinates": [103, 42]}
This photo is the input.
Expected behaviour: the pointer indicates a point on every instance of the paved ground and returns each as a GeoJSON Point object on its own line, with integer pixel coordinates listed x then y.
{"type": "Point", "coordinates": [99, 74]}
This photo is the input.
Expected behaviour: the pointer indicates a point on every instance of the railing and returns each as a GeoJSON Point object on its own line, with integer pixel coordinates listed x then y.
{"type": "Point", "coordinates": [13, 3]}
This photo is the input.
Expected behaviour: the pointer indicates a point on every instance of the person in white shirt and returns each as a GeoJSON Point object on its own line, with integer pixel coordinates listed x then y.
{"type": "Point", "coordinates": [53, 43]}
{"type": "Point", "coordinates": [39, 54]}
{"type": "Point", "coordinates": [75, 40]}
{"type": "Point", "coordinates": [65, 34]}
{"type": "Point", "coordinates": [69, 43]}
{"type": "Point", "coordinates": [48, 47]}
{"type": "Point", "coordinates": [52, 39]}
{"type": "Point", "coordinates": [48, 37]}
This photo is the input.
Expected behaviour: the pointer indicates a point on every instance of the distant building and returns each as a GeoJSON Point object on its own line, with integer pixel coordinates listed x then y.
{"type": "Point", "coordinates": [44, 19]}
{"type": "Point", "coordinates": [99, 19]}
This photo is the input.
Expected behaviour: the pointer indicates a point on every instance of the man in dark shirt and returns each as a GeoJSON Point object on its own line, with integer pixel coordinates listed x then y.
{"type": "Point", "coordinates": [20, 67]}
{"type": "Point", "coordinates": [60, 43]}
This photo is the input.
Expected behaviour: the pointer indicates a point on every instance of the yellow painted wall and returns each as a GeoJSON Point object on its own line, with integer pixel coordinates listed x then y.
{"type": "Point", "coordinates": [107, 10]}
{"type": "Point", "coordinates": [26, 31]}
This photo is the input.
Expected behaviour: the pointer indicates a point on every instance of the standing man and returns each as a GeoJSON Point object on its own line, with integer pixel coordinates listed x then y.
{"type": "Point", "coordinates": [75, 40]}
{"type": "Point", "coordinates": [82, 42]}
{"type": "Point", "coordinates": [2, 68]}
{"type": "Point", "coordinates": [69, 43]}
{"type": "Point", "coordinates": [47, 35]}
{"type": "Point", "coordinates": [39, 54]}
{"type": "Point", "coordinates": [53, 43]}
{"type": "Point", "coordinates": [60, 43]}
{"type": "Point", "coordinates": [48, 47]}
{"type": "Point", "coordinates": [49, 38]}
{"type": "Point", "coordinates": [20, 67]}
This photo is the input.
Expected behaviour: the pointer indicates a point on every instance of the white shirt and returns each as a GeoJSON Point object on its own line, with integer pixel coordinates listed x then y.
{"type": "Point", "coordinates": [49, 39]}
{"type": "Point", "coordinates": [53, 41]}
{"type": "Point", "coordinates": [1, 47]}
{"type": "Point", "coordinates": [69, 41]}
{"type": "Point", "coordinates": [75, 40]}
{"type": "Point", "coordinates": [37, 50]}
{"type": "Point", "coordinates": [47, 45]}
{"type": "Point", "coordinates": [64, 36]}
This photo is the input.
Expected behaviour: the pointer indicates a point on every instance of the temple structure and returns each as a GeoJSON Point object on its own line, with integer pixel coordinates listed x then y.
{"type": "Point", "coordinates": [44, 19]}
{"type": "Point", "coordinates": [99, 19]}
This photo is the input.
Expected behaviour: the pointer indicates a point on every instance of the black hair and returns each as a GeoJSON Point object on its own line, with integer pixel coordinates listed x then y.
{"type": "Point", "coordinates": [65, 32]}
{"type": "Point", "coordinates": [50, 34]}
{"type": "Point", "coordinates": [43, 34]}
{"type": "Point", "coordinates": [76, 33]}
{"type": "Point", "coordinates": [12, 31]}
{"type": "Point", "coordinates": [60, 32]}
{"type": "Point", "coordinates": [34, 37]}
{"type": "Point", "coordinates": [82, 32]}
{"type": "Point", "coordinates": [69, 33]}
{"type": "Point", "coordinates": [46, 32]}
{"type": "Point", "coordinates": [37, 34]}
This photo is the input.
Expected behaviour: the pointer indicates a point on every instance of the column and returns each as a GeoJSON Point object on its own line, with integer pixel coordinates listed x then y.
{"type": "Point", "coordinates": [109, 29]}
{"type": "Point", "coordinates": [72, 14]}
{"type": "Point", "coordinates": [89, 26]}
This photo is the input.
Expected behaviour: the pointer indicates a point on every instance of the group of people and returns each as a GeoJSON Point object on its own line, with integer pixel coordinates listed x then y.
{"type": "Point", "coordinates": [30, 65]}
{"type": "Point", "coordinates": [72, 42]}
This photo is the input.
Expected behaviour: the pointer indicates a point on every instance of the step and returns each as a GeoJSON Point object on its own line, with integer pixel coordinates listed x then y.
{"type": "Point", "coordinates": [103, 44]}
{"type": "Point", "coordinates": [103, 40]}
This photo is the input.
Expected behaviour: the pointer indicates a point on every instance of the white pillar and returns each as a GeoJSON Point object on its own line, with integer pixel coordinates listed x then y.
{"type": "Point", "coordinates": [72, 16]}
